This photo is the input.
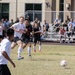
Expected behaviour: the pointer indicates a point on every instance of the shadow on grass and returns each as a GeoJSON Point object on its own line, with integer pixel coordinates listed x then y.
{"type": "Point", "coordinates": [39, 59]}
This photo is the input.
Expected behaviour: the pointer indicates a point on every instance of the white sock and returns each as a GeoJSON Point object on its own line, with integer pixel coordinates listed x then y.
{"type": "Point", "coordinates": [34, 47]}
{"type": "Point", "coordinates": [29, 50]}
{"type": "Point", "coordinates": [19, 51]}
{"type": "Point", "coordinates": [39, 47]}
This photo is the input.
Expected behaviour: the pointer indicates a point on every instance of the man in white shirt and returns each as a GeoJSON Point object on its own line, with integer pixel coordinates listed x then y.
{"type": "Point", "coordinates": [19, 30]}
{"type": "Point", "coordinates": [5, 51]}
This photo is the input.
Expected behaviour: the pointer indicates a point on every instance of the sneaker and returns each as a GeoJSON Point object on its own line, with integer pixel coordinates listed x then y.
{"type": "Point", "coordinates": [29, 55]}
{"type": "Point", "coordinates": [19, 58]}
{"type": "Point", "coordinates": [35, 51]}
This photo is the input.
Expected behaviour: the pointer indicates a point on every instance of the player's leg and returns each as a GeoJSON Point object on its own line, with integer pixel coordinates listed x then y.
{"type": "Point", "coordinates": [29, 49]}
{"type": "Point", "coordinates": [24, 45]}
{"type": "Point", "coordinates": [60, 38]}
{"type": "Point", "coordinates": [40, 47]}
{"type": "Point", "coordinates": [20, 49]}
{"type": "Point", "coordinates": [14, 42]}
{"type": "Point", "coordinates": [13, 45]}
{"type": "Point", "coordinates": [35, 41]}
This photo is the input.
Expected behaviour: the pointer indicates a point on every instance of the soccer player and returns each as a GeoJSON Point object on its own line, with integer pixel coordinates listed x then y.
{"type": "Point", "coordinates": [37, 36]}
{"type": "Point", "coordinates": [5, 51]}
{"type": "Point", "coordinates": [19, 30]}
{"type": "Point", "coordinates": [26, 36]}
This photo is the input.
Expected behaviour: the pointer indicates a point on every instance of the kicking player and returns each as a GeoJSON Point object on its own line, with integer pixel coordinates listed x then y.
{"type": "Point", "coordinates": [37, 36]}
{"type": "Point", "coordinates": [26, 36]}
{"type": "Point", "coordinates": [19, 30]}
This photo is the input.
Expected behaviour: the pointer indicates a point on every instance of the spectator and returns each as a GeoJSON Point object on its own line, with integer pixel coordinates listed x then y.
{"type": "Point", "coordinates": [17, 20]}
{"type": "Point", "coordinates": [68, 19]}
{"type": "Point", "coordinates": [70, 32]}
{"type": "Point", "coordinates": [3, 23]}
{"type": "Point", "coordinates": [46, 25]}
{"type": "Point", "coordinates": [4, 27]}
{"type": "Point", "coordinates": [1, 31]}
{"type": "Point", "coordinates": [45, 28]}
{"type": "Point", "coordinates": [57, 23]}
{"type": "Point", "coordinates": [73, 23]}
{"type": "Point", "coordinates": [62, 33]}
{"type": "Point", "coordinates": [7, 24]}
{"type": "Point", "coordinates": [11, 23]}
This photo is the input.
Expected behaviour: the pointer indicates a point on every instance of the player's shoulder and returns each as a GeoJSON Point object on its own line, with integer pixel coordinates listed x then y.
{"type": "Point", "coordinates": [5, 41]}
{"type": "Point", "coordinates": [16, 24]}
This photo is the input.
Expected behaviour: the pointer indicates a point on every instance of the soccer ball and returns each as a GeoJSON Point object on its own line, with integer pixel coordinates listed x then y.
{"type": "Point", "coordinates": [63, 63]}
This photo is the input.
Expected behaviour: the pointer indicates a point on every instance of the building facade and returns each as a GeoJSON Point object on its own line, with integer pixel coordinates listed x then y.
{"type": "Point", "coordinates": [43, 9]}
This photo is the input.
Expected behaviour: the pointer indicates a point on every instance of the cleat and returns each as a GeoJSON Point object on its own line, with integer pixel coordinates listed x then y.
{"type": "Point", "coordinates": [19, 58]}
{"type": "Point", "coordinates": [29, 55]}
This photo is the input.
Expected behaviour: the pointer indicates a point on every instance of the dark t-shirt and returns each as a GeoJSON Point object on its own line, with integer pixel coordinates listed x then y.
{"type": "Point", "coordinates": [27, 34]}
{"type": "Point", "coordinates": [36, 34]}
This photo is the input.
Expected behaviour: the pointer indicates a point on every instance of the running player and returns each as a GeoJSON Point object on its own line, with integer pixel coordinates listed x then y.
{"type": "Point", "coordinates": [19, 30]}
{"type": "Point", "coordinates": [26, 36]}
{"type": "Point", "coordinates": [37, 36]}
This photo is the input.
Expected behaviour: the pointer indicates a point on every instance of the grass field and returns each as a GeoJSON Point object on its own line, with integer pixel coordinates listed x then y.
{"type": "Point", "coordinates": [45, 63]}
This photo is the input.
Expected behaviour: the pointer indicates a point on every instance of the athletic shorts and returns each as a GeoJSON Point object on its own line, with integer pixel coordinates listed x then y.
{"type": "Point", "coordinates": [16, 39]}
{"type": "Point", "coordinates": [1, 36]}
{"type": "Point", "coordinates": [37, 39]}
{"type": "Point", "coordinates": [4, 70]}
{"type": "Point", "coordinates": [25, 40]}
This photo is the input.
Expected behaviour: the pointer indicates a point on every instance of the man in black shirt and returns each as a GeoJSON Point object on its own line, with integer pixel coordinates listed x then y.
{"type": "Point", "coordinates": [37, 36]}
{"type": "Point", "coordinates": [26, 36]}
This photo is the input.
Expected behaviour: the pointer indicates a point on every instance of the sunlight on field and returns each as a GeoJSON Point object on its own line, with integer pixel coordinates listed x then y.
{"type": "Point", "coordinates": [45, 63]}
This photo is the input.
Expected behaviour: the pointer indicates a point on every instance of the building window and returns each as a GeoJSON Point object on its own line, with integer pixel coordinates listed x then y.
{"type": "Point", "coordinates": [61, 8]}
{"type": "Point", "coordinates": [4, 10]}
{"type": "Point", "coordinates": [33, 10]}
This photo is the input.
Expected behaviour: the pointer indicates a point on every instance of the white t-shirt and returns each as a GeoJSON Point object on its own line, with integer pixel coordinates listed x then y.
{"type": "Point", "coordinates": [20, 27]}
{"type": "Point", "coordinates": [5, 46]}
{"type": "Point", "coordinates": [1, 30]}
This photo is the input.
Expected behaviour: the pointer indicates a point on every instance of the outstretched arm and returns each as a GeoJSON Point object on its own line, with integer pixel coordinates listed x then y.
{"type": "Point", "coordinates": [8, 58]}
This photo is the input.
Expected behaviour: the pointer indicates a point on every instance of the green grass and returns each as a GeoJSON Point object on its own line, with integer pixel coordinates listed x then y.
{"type": "Point", "coordinates": [45, 63]}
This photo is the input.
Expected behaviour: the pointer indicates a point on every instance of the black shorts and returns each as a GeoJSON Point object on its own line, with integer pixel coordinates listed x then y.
{"type": "Point", "coordinates": [16, 39]}
{"type": "Point", "coordinates": [1, 36]}
{"type": "Point", "coordinates": [37, 39]}
{"type": "Point", "coordinates": [25, 40]}
{"type": "Point", "coordinates": [4, 70]}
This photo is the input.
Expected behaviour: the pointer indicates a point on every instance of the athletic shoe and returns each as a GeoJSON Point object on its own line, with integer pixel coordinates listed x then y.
{"type": "Point", "coordinates": [19, 58]}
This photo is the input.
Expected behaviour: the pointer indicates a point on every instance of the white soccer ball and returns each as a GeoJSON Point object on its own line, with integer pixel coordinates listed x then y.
{"type": "Point", "coordinates": [63, 63]}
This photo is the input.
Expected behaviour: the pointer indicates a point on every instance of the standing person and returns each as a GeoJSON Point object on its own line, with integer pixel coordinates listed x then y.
{"type": "Point", "coordinates": [17, 20]}
{"type": "Point", "coordinates": [5, 53]}
{"type": "Point", "coordinates": [70, 32]}
{"type": "Point", "coordinates": [45, 28]}
{"type": "Point", "coordinates": [11, 23]}
{"type": "Point", "coordinates": [37, 21]}
{"type": "Point", "coordinates": [62, 33]}
{"type": "Point", "coordinates": [37, 36]}
{"type": "Point", "coordinates": [19, 29]}
{"type": "Point", "coordinates": [1, 31]}
{"type": "Point", "coordinates": [26, 36]}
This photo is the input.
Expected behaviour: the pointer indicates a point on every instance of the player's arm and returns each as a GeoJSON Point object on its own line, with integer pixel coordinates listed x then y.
{"type": "Point", "coordinates": [8, 58]}
{"type": "Point", "coordinates": [37, 32]}
{"type": "Point", "coordinates": [14, 26]}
